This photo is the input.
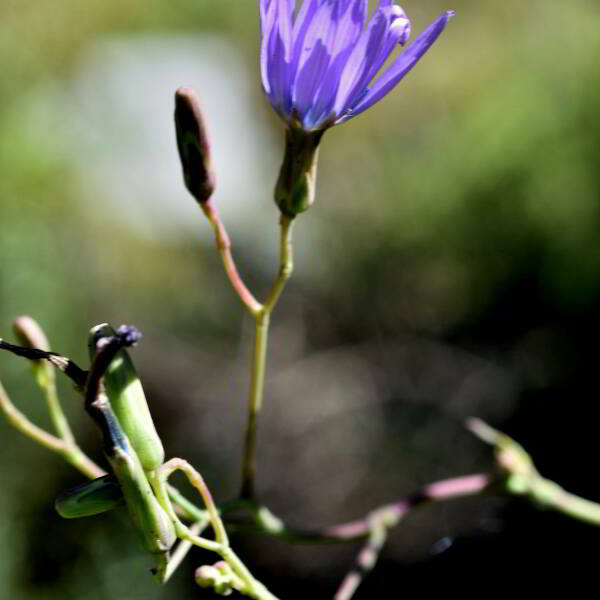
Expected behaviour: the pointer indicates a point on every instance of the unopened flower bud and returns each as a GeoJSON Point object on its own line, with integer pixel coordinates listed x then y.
{"type": "Point", "coordinates": [193, 145]}
{"type": "Point", "coordinates": [295, 189]}
{"type": "Point", "coordinates": [206, 575]}
{"type": "Point", "coordinates": [29, 334]}
{"type": "Point", "coordinates": [223, 588]}
{"type": "Point", "coordinates": [216, 578]}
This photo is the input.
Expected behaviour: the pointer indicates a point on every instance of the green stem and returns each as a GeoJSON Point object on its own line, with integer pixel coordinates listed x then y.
{"type": "Point", "coordinates": [76, 457]}
{"type": "Point", "coordinates": [550, 494]}
{"type": "Point", "coordinates": [255, 404]}
{"type": "Point", "coordinates": [523, 479]}
{"type": "Point", "coordinates": [259, 358]}
{"type": "Point", "coordinates": [181, 551]}
{"type": "Point", "coordinates": [21, 423]}
{"type": "Point", "coordinates": [69, 450]}
{"type": "Point", "coordinates": [32, 336]}
{"type": "Point", "coordinates": [57, 415]}
{"type": "Point", "coordinates": [189, 509]}
{"type": "Point", "coordinates": [253, 587]}
{"type": "Point", "coordinates": [286, 263]}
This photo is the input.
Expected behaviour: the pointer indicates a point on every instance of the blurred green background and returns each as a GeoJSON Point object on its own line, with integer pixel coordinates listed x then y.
{"type": "Point", "coordinates": [450, 267]}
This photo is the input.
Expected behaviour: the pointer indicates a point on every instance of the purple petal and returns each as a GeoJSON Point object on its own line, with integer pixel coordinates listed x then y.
{"type": "Point", "coordinates": [401, 66]}
{"type": "Point", "coordinates": [349, 26]}
{"type": "Point", "coordinates": [322, 106]}
{"type": "Point", "coordinates": [284, 21]}
{"type": "Point", "coordinates": [264, 8]}
{"type": "Point", "coordinates": [301, 23]}
{"type": "Point", "coordinates": [398, 32]}
{"type": "Point", "coordinates": [314, 58]}
{"type": "Point", "coordinates": [267, 21]}
{"type": "Point", "coordinates": [309, 79]}
{"type": "Point", "coordinates": [355, 75]}
{"type": "Point", "coordinates": [401, 26]}
{"type": "Point", "coordinates": [278, 59]}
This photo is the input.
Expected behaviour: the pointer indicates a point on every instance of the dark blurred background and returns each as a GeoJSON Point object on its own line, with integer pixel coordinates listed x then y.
{"type": "Point", "coordinates": [450, 267]}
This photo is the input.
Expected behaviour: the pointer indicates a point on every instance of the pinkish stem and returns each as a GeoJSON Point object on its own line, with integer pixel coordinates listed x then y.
{"type": "Point", "coordinates": [392, 513]}
{"type": "Point", "coordinates": [378, 522]}
{"type": "Point", "coordinates": [224, 247]}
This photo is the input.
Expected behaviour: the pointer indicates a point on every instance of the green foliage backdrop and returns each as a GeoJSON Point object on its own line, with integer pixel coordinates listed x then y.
{"type": "Point", "coordinates": [450, 265]}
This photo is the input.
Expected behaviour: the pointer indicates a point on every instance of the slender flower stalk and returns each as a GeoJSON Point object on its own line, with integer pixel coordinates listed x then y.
{"type": "Point", "coordinates": [259, 358]}
{"type": "Point", "coordinates": [69, 450]}
{"type": "Point", "coordinates": [30, 334]}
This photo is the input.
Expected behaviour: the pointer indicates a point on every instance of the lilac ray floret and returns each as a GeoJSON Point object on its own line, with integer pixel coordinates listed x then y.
{"type": "Point", "coordinates": [319, 64]}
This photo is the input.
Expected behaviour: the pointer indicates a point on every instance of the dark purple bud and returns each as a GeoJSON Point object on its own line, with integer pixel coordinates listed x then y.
{"type": "Point", "coordinates": [193, 145]}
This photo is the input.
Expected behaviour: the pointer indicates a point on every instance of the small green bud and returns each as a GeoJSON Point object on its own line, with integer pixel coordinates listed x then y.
{"type": "Point", "coordinates": [295, 189]}
{"type": "Point", "coordinates": [193, 145]}
{"type": "Point", "coordinates": [219, 576]}
{"type": "Point", "coordinates": [206, 576]}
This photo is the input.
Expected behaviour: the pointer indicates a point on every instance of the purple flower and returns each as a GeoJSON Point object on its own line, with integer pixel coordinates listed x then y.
{"type": "Point", "coordinates": [319, 63]}
{"type": "Point", "coordinates": [319, 67]}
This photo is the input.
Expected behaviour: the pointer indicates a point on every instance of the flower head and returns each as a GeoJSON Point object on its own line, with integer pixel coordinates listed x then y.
{"type": "Point", "coordinates": [319, 63]}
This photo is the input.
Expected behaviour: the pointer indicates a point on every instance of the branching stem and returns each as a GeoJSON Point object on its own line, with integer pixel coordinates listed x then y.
{"type": "Point", "coordinates": [67, 449]}
{"type": "Point", "coordinates": [259, 359]}
{"type": "Point", "coordinates": [224, 248]}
